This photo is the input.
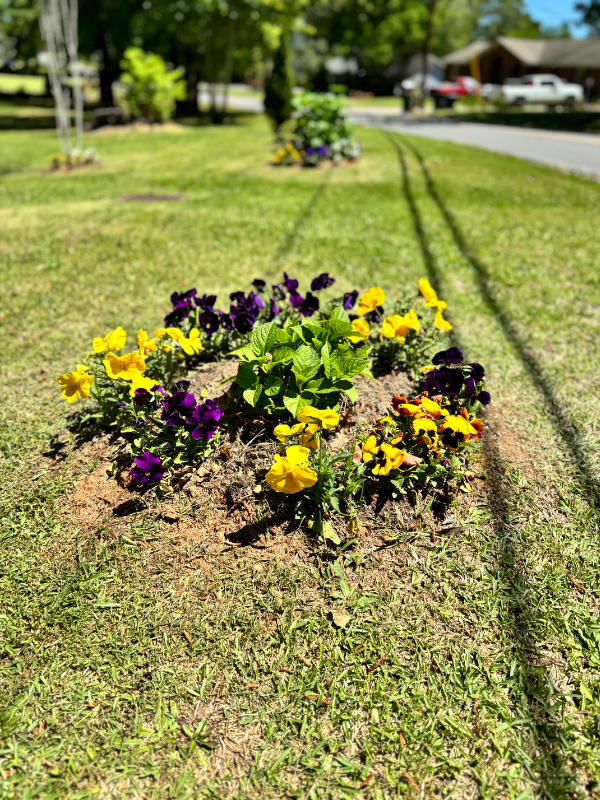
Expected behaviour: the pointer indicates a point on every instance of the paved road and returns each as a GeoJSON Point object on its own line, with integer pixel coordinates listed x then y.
{"type": "Point", "coordinates": [573, 152]}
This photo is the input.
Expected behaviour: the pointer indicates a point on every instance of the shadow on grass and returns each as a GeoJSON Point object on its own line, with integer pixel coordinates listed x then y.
{"type": "Point", "coordinates": [572, 446]}
{"type": "Point", "coordinates": [534, 695]}
{"type": "Point", "coordinates": [433, 273]}
{"type": "Point", "coordinates": [287, 245]}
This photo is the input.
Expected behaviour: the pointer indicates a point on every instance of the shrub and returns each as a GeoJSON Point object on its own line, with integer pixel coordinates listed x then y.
{"type": "Point", "coordinates": [278, 87]}
{"type": "Point", "coordinates": [322, 130]}
{"type": "Point", "coordinates": [149, 90]}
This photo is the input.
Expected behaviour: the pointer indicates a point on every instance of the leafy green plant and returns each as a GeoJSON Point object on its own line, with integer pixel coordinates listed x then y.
{"type": "Point", "coordinates": [308, 364]}
{"type": "Point", "coordinates": [149, 89]}
{"type": "Point", "coordinates": [321, 128]}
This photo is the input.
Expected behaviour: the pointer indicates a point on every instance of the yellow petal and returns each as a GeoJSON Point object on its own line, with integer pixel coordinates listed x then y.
{"type": "Point", "coordinates": [440, 323]}
{"type": "Point", "coordinates": [296, 454]}
{"type": "Point", "coordinates": [305, 476]}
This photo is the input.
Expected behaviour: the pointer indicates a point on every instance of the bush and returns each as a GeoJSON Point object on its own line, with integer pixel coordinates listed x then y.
{"type": "Point", "coordinates": [278, 88]}
{"type": "Point", "coordinates": [321, 128]}
{"type": "Point", "coordinates": [150, 90]}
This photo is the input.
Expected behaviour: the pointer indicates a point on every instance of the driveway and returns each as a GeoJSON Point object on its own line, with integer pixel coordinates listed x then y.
{"type": "Point", "coordinates": [572, 152]}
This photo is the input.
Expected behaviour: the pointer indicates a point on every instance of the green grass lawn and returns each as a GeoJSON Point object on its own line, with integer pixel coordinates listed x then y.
{"type": "Point", "coordinates": [490, 685]}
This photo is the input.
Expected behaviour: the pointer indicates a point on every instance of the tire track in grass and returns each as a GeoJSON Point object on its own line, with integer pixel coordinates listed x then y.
{"type": "Point", "coordinates": [573, 448]}
{"type": "Point", "coordinates": [534, 692]}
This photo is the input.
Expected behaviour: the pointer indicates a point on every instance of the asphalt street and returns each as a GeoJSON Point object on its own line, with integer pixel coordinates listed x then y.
{"type": "Point", "coordinates": [578, 153]}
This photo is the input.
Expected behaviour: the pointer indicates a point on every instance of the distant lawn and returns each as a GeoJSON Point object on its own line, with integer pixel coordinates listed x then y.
{"type": "Point", "coordinates": [30, 84]}
{"type": "Point", "coordinates": [491, 680]}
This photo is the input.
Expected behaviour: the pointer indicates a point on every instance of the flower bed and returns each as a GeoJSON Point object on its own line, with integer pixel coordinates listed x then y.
{"type": "Point", "coordinates": [301, 366]}
{"type": "Point", "coordinates": [320, 133]}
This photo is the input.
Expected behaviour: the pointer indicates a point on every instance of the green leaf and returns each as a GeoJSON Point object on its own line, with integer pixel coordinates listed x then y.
{"type": "Point", "coordinates": [263, 338]}
{"type": "Point", "coordinates": [306, 363]}
{"type": "Point", "coordinates": [243, 352]}
{"type": "Point", "coordinates": [283, 335]}
{"type": "Point", "coordinates": [339, 329]}
{"type": "Point", "coordinates": [246, 377]}
{"type": "Point", "coordinates": [273, 385]}
{"type": "Point", "coordinates": [294, 402]}
{"type": "Point", "coordinates": [338, 313]}
{"type": "Point", "coordinates": [325, 355]}
{"type": "Point", "coordinates": [251, 395]}
{"type": "Point", "coordinates": [348, 389]}
{"type": "Point", "coordinates": [283, 355]}
{"type": "Point", "coordinates": [347, 367]}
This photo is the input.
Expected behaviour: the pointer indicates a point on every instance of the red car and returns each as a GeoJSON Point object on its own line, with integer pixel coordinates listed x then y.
{"type": "Point", "coordinates": [449, 91]}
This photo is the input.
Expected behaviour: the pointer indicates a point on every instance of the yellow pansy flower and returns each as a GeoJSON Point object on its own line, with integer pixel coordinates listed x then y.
{"type": "Point", "coordinates": [114, 340]}
{"type": "Point", "coordinates": [370, 300]}
{"type": "Point", "coordinates": [394, 327]}
{"type": "Point", "coordinates": [144, 343]}
{"type": "Point", "coordinates": [174, 333]}
{"type": "Point", "coordinates": [454, 431]}
{"type": "Point", "coordinates": [440, 323]}
{"type": "Point", "coordinates": [141, 382]}
{"type": "Point", "coordinates": [285, 432]}
{"type": "Point", "coordinates": [292, 473]}
{"type": "Point", "coordinates": [361, 326]}
{"type": "Point", "coordinates": [75, 384]}
{"type": "Point", "coordinates": [369, 449]}
{"type": "Point", "coordinates": [388, 458]}
{"type": "Point", "coordinates": [428, 293]}
{"type": "Point", "coordinates": [426, 431]}
{"type": "Point", "coordinates": [325, 419]}
{"type": "Point", "coordinates": [408, 409]}
{"type": "Point", "coordinates": [125, 367]}
{"type": "Point", "coordinates": [191, 345]}
{"type": "Point", "coordinates": [411, 321]}
{"type": "Point", "coordinates": [432, 408]}
{"type": "Point", "coordinates": [308, 438]}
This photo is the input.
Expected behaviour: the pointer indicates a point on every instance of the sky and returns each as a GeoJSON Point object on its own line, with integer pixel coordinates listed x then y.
{"type": "Point", "coordinates": [553, 12]}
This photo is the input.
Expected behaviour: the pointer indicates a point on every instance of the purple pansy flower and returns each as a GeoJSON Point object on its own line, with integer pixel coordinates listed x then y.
{"type": "Point", "coordinates": [484, 398]}
{"type": "Point", "coordinates": [181, 302]}
{"type": "Point", "coordinates": [310, 305]}
{"type": "Point", "coordinates": [147, 470]}
{"type": "Point", "coordinates": [278, 292]}
{"type": "Point", "coordinates": [209, 322]}
{"type": "Point", "coordinates": [206, 302]}
{"type": "Point", "coordinates": [139, 423]}
{"type": "Point", "coordinates": [469, 387]}
{"type": "Point", "coordinates": [291, 284]}
{"type": "Point", "coordinates": [145, 397]}
{"type": "Point", "coordinates": [235, 297]}
{"type": "Point", "coordinates": [444, 381]}
{"type": "Point", "coordinates": [178, 408]}
{"type": "Point", "coordinates": [273, 307]}
{"type": "Point", "coordinates": [477, 372]}
{"type": "Point", "coordinates": [322, 281]}
{"type": "Point", "coordinates": [451, 356]}
{"type": "Point", "coordinates": [350, 299]}
{"type": "Point", "coordinates": [259, 284]}
{"type": "Point", "coordinates": [296, 301]}
{"type": "Point", "coordinates": [204, 420]}
{"type": "Point", "coordinates": [182, 385]}
{"type": "Point", "coordinates": [375, 315]}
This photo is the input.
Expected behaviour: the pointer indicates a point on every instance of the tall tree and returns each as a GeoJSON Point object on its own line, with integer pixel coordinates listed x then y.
{"type": "Point", "coordinates": [590, 14]}
{"type": "Point", "coordinates": [278, 87]}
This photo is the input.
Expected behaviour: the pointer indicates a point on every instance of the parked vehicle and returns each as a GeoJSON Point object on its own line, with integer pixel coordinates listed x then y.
{"type": "Point", "coordinates": [547, 89]}
{"type": "Point", "coordinates": [449, 91]}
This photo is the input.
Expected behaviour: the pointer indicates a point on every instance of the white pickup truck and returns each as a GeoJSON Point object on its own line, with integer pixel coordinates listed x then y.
{"type": "Point", "coordinates": [548, 89]}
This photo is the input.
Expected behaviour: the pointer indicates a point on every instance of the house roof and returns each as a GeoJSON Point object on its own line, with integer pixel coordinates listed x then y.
{"type": "Point", "coordinates": [552, 53]}
{"type": "Point", "coordinates": [465, 54]}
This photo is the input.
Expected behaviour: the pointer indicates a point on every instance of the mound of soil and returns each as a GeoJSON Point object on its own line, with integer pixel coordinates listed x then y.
{"type": "Point", "coordinates": [224, 505]}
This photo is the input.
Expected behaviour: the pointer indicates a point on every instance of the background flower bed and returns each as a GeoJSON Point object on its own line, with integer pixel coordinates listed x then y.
{"type": "Point", "coordinates": [488, 610]}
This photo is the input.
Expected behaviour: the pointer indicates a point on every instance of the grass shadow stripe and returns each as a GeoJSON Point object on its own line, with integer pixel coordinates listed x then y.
{"type": "Point", "coordinates": [563, 424]}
